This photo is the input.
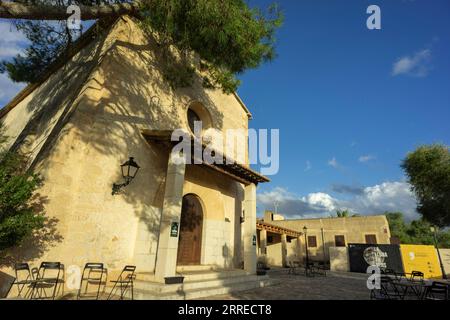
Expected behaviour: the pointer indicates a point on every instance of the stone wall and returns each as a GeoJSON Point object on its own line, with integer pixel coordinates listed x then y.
{"type": "Point", "coordinates": [339, 260]}
{"type": "Point", "coordinates": [445, 256]}
{"type": "Point", "coordinates": [274, 251]}
{"type": "Point", "coordinates": [221, 199]}
{"type": "Point", "coordinates": [353, 229]}
{"type": "Point", "coordinates": [78, 149]}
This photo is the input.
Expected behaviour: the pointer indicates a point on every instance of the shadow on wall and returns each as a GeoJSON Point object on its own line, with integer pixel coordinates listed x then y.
{"type": "Point", "coordinates": [36, 245]}
{"type": "Point", "coordinates": [138, 99]}
{"type": "Point", "coordinates": [55, 95]}
{"type": "Point", "coordinates": [228, 257]}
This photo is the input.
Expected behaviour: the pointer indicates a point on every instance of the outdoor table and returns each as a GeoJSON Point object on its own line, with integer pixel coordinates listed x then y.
{"type": "Point", "coordinates": [444, 281]}
{"type": "Point", "coordinates": [416, 287]}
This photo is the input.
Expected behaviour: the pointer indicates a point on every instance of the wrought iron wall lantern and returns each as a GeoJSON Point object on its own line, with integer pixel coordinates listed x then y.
{"type": "Point", "coordinates": [129, 170]}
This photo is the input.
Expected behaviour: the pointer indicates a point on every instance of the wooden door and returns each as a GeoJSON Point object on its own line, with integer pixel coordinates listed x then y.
{"type": "Point", "coordinates": [190, 239]}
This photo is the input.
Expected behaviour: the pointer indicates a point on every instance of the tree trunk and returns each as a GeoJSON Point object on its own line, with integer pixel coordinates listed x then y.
{"type": "Point", "coordinates": [14, 10]}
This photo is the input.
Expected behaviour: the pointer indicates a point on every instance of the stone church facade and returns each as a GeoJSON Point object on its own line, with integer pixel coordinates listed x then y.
{"type": "Point", "coordinates": [109, 102]}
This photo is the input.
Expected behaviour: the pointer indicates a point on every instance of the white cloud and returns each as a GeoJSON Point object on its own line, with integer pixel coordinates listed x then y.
{"type": "Point", "coordinates": [320, 200]}
{"type": "Point", "coordinates": [290, 204]}
{"type": "Point", "coordinates": [333, 162]}
{"type": "Point", "coordinates": [9, 51]}
{"type": "Point", "coordinates": [11, 41]}
{"type": "Point", "coordinates": [366, 158]}
{"type": "Point", "coordinates": [417, 65]}
{"type": "Point", "coordinates": [8, 89]}
{"type": "Point", "coordinates": [11, 44]}
{"type": "Point", "coordinates": [388, 196]}
{"type": "Point", "coordinates": [308, 166]}
{"type": "Point", "coordinates": [347, 189]}
{"type": "Point", "coordinates": [10, 34]}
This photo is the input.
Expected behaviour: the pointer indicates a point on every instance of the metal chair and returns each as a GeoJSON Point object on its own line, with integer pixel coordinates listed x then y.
{"type": "Point", "coordinates": [261, 269]}
{"type": "Point", "coordinates": [309, 269]}
{"type": "Point", "coordinates": [94, 275]}
{"type": "Point", "coordinates": [292, 267]}
{"type": "Point", "coordinates": [436, 291]}
{"type": "Point", "coordinates": [417, 276]}
{"type": "Point", "coordinates": [124, 282]}
{"type": "Point", "coordinates": [24, 278]}
{"type": "Point", "coordinates": [387, 271]}
{"type": "Point", "coordinates": [316, 268]}
{"type": "Point", "coordinates": [49, 276]}
{"type": "Point", "coordinates": [392, 274]}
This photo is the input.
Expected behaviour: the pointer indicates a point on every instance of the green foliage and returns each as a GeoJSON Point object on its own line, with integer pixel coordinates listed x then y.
{"type": "Point", "coordinates": [228, 36]}
{"type": "Point", "coordinates": [417, 231]}
{"type": "Point", "coordinates": [48, 40]}
{"type": "Point", "coordinates": [47, 43]}
{"type": "Point", "coordinates": [18, 218]}
{"type": "Point", "coordinates": [342, 213]}
{"type": "Point", "coordinates": [428, 171]}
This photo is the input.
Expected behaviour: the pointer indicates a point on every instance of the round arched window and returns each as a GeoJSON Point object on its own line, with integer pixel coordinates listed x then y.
{"type": "Point", "coordinates": [192, 118]}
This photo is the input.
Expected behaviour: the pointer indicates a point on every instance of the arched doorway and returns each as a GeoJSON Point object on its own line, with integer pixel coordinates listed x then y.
{"type": "Point", "coordinates": [190, 239]}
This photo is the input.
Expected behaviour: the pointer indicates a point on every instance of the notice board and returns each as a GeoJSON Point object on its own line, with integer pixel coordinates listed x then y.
{"type": "Point", "coordinates": [421, 258]}
{"type": "Point", "coordinates": [363, 255]}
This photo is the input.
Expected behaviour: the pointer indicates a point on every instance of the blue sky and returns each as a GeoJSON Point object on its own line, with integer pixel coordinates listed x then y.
{"type": "Point", "coordinates": [349, 102]}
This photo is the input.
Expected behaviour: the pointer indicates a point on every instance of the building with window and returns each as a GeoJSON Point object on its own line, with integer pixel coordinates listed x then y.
{"type": "Point", "coordinates": [105, 102]}
{"type": "Point", "coordinates": [320, 235]}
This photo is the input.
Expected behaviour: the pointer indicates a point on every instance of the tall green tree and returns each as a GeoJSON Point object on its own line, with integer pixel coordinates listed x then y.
{"type": "Point", "coordinates": [342, 213]}
{"type": "Point", "coordinates": [397, 226]}
{"type": "Point", "coordinates": [18, 216]}
{"type": "Point", "coordinates": [417, 231]}
{"type": "Point", "coordinates": [229, 36]}
{"type": "Point", "coordinates": [428, 172]}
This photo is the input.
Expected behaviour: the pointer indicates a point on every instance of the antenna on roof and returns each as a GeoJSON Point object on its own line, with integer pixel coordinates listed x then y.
{"type": "Point", "coordinates": [275, 204]}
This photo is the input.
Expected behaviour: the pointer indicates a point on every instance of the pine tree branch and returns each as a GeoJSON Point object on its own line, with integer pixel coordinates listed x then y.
{"type": "Point", "coordinates": [15, 10]}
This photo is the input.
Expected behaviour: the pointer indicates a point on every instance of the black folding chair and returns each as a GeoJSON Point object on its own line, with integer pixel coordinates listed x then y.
{"type": "Point", "coordinates": [388, 271]}
{"type": "Point", "coordinates": [387, 290]}
{"type": "Point", "coordinates": [320, 268]}
{"type": "Point", "coordinates": [316, 268]}
{"type": "Point", "coordinates": [124, 282]}
{"type": "Point", "coordinates": [50, 277]}
{"type": "Point", "coordinates": [436, 291]}
{"type": "Point", "coordinates": [292, 267]}
{"type": "Point", "coordinates": [94, 276]}
{"type": "Point", "coordinates": [398, 276]}
{"type": "Point", "coordinates": [309, 269]}
{"type": "Point", "coordinates": [417, 276]}
{"type": "Point", "coordinates": [24, 279]}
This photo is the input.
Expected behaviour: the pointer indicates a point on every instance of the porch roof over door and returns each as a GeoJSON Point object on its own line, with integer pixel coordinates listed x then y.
{"type": "Point", "coordinates": [236, 171]}
{"type": "Point", "coordinates": [261, 225]}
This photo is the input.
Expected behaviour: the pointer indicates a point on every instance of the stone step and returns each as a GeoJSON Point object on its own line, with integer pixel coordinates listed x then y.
{"type": "Point", "coordinates": [190, 285]}
{"type": "Point", "coordinates": [208, 275]}
{"type": "Point", "coordinates": [145, 276]}
{"type": "Point", "coordinates": [197, 275]}
{"type": "Point", "coordinates": [195, 293]}
{"type": "Point", "coordinates": [156, 287]}
{"type": "Point", "coordinates": [203, 267]}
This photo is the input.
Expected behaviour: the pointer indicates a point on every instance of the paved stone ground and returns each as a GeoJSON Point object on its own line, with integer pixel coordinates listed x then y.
{"type": "Point", "coordinates": [335, 286]}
